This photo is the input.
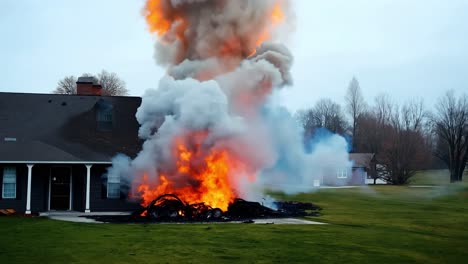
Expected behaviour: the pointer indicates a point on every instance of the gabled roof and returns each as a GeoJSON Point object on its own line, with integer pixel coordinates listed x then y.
{"type": "Point", "coordinates": [64, 128]}
{"type": "Point", "coordinates": [361, 160]}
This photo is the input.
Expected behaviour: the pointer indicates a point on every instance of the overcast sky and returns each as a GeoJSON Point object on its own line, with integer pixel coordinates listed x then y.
{"type": "Point", "coordinates": [406, 48]}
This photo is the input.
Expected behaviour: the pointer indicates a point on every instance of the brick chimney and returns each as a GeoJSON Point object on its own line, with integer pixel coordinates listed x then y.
{"type": "Point", "coordinates": [88, 86]}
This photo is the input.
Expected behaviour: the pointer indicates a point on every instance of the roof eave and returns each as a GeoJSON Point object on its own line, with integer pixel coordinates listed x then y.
{"type": "Point", "coordinates": [53, 162]}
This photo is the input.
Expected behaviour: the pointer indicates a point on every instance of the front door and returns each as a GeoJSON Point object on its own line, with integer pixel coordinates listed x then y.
{"type": "Point", "coordinates": [60, 178]}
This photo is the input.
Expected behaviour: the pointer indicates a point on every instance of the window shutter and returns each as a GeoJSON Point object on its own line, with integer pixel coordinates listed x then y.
{"type": "Point", "coordinates": [19, 183]}
{"type": "Point", "coordinates": [18, 187]}
{"type": "Point", "coordinates": [103, 187]}
{"type": "Point", "coordinates": [1, 182]}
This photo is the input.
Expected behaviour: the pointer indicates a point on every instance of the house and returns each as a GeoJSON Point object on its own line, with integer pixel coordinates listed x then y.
{"type": "Point", "coordinates": [364, 168]}
{"type": "Point", "coordinates": [55, 149]}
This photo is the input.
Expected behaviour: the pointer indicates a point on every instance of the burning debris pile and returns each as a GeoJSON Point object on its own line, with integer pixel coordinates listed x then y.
{"type": "Point", "coordinates": [169, 207]}
{"type": "Point", "coordinates": [213, 130]}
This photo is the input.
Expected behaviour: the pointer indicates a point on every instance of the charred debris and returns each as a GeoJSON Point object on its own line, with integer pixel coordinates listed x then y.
{"type": "Point", "coordinates": [170, 208]}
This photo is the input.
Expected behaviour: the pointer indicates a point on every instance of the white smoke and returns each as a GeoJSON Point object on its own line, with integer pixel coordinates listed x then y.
{"type": "Point", "coordinates": [229, 97]}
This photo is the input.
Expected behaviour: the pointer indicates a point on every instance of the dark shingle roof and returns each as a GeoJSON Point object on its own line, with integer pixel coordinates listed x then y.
{"type": "Point", "coordinates": [51, 127]}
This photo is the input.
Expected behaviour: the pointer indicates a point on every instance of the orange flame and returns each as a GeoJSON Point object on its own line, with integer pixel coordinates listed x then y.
{"type": "Point", "coordinates": [199, 177]}
{"type": "Point", "coordinates": [204, 174]}
{"type": "Point", "coordinates": [155, 16]}
{"type": "Point", "coordinates": [276, 17]}
{"type": "Point", "coordinates": [170, 24]}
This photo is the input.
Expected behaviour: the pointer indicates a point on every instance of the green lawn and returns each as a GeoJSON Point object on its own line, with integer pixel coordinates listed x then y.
{"type": "Point", "coordinates": [377, 224]}
{"type": "Point", "coordinates": [434, 177]}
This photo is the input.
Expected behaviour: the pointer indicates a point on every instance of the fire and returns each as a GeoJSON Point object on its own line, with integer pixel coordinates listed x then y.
{"type": "Point", "coordinates": [155, 16]}
{"type": "Point", "coordinates": [276, 17]}
{"type": "Point", "coordinates": [196, 172]}
{"type": "Point", "coordinates": [199, 177]}
{"type": "Point", "coordinates": [170, 22]}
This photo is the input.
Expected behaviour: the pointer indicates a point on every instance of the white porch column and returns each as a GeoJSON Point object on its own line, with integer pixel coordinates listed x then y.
{"type": "Point", "coordinates": [28, 195]}
{"type": "Point", "coordinates": [88, 180]}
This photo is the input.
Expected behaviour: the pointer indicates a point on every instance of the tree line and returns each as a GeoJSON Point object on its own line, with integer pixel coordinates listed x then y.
{"type": "Point", "coordinates": [404, 137]}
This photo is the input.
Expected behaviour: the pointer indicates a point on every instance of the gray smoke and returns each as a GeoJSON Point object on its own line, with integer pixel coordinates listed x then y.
{"type": "Point", "coordinates": [219, 82]}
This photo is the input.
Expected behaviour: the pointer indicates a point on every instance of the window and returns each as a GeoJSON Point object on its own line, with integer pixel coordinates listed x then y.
{"type": "Point", "coordinates": [113, 186]}
{"type": "Point", "coordinates": [104, 115]}
{"type": "Point", "coordinates": [104, 119]}
{"type": "Point", "coordinates": [9, 183]}
{"type": "Point", "coordinates": [342, 174]}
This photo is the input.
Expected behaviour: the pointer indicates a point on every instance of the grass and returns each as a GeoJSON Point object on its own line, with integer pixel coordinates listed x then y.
{"type": "Point", "coordinates": [434, 177]}
{"type": "Point", "coordinates": [376, 224]}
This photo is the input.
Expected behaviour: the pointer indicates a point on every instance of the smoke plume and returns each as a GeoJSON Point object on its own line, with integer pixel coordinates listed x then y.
{"type": "Point", "coordinates": [211, 131]}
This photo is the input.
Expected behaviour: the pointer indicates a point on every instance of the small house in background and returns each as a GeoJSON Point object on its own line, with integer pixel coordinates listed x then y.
{"type": "Point", "coordinates": [364, 169]}
{"type": "Point", "coordinates": [363, 172]}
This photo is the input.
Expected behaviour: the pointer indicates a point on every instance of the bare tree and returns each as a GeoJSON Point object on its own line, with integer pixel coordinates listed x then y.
{"type": "Point", "coordinates": [404, 149]}
{"type": "Point", "coordinates": [66, 86]}
{"type": "Point", "coordinates": [355, 106]}
{"type": "Point", "coordinates": [451, 126]}
{"type": "Point", "coordinates": [369, 137]}
{"type": "Point", "coordinates": [111, 84]}
{"type": "Point", "coordinates": [374, 125]}
{"type": "Point", "coordinates": [414, 114]}
{"type": "Point", "coordinates": [384, 108]}
{"type": "Point", "coordinates": [396, 136]}
{"type": "Point", "coordinates": [303, 118]}
{"type": "Point", "coordinates": [326, 114]}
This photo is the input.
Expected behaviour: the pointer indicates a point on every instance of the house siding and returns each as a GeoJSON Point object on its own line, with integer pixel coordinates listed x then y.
{"type": "Point", "coordinates": [40, 189]}
{"type": "Point", "coordinates": [79, 187]}
{"type": "Point", "coordinates": [98, 193]}
{"type": "Point", "coordinates": [358, 176]}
